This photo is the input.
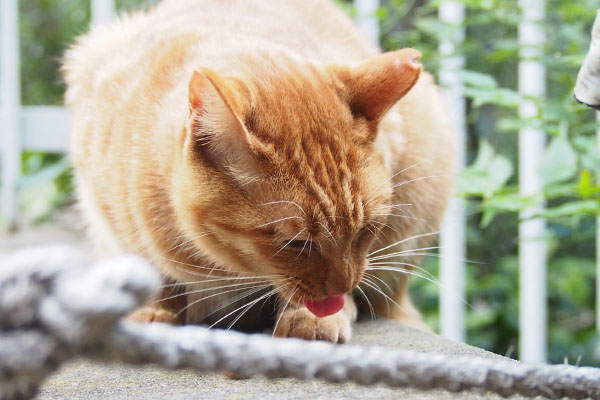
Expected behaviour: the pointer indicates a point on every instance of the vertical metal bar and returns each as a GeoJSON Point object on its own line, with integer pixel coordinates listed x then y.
{"type": "Point", "coordinates": [366, 18]}
{"type": "Point", "coordinates": [10, 92]}
{"type": "Point", "coordinates": [452, 238]}
{"type": "Point", "coordinates": [102, 11]}
{"type": "Point", "coordinates": [598, 243]}
{"type": "Point", "coordinates": [532, 245]}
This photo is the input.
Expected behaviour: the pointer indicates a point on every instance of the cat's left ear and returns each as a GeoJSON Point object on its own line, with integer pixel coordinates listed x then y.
{"type": "Point", "coordinates": [373, 87]}
{"type": "Point", "coordinates": [216, 129]}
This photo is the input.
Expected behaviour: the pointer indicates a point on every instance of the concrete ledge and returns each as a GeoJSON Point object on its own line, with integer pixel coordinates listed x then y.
{"type": "Point", "coordinates": [84, 380]}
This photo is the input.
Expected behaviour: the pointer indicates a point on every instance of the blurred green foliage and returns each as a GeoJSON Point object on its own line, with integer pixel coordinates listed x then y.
{"type": "Point", "coordinates": [571, 166]}
{"type": "Point", "coordinates": [570, 169]}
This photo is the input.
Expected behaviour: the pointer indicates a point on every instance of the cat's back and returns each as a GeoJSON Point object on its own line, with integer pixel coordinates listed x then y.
{"type": "Point", "coordinates": [314, 29]}
{"type": "Point", "coordinates": [144, 61]}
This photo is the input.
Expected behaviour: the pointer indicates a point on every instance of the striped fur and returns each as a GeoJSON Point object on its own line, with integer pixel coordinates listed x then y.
{"type": "Point", "coordinates": [231, 139]}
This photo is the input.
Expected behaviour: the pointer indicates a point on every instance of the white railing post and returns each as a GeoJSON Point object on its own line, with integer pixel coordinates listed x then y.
{"type": "Point", "coordinates": [532, 245]}
{"type": "Point", "coordinates": [598, 243]}
{"type": "Point", "coordinates": [102, 11]}
{"type": "Point", "coordinates": [452, 238]}
{"type": "Point", "coordinates": [10, 92]}
{"type": "Point", "coordinates": [366, 18]}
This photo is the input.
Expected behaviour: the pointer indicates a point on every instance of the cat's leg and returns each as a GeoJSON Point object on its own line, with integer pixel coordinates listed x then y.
{"type": "Point", "coordinates": [165, 307]}
{"type": "Point", "coordinates": [299, 322]}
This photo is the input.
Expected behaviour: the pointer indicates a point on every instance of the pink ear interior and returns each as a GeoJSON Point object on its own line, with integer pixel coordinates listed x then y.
{"type": "Point", "coordinates": [218, 134]}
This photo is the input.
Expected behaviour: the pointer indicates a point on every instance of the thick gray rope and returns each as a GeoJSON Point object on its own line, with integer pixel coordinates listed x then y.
{"type": "Point", "coordinates": [53, 308]}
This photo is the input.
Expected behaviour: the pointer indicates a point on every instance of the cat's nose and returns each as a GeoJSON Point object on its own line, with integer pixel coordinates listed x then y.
{"type": "Point", "coordinates": [338, 284]}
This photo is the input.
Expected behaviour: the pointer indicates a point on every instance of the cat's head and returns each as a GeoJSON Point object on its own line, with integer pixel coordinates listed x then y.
{"type": "Point", "coordinates": [281, 177]}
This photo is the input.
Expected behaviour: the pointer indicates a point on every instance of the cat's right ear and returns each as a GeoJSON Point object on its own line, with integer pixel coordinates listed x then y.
{"type": "Point", "coordinates": [374, 86]}
{"type": "Point", "coordinates": [216, 132]}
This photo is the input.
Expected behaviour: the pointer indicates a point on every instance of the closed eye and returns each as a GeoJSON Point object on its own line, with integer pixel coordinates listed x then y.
{"type": "Point", "coordinates": [303, 245]}
{"type": "Point", "coordinates": [364, 237]}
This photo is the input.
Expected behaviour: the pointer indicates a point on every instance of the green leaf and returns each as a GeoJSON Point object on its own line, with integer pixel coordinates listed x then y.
{"type": "Point", "coordinates": [513, 201]}
{"type": "Point", "coordinates": [559, 162]}
{"type": "Point", "coordinates": [501, 97]}
{"type": "Point", "coordinates": [478, 79]}
{"type": "Point", "coordinates": [488, 174]}
{"type": "Point", "coordinates": [436, 28]}
{"type": "Point", "coordinates": [46, 174]}
{"type": "Point", "coordinates": [509, 201]}
{"type": "Point", "coordinates": [590, 155]}
{"type": "Point", "coordinates": [585, 186]}
{"type": "Point", "coordinates": [574, 208]}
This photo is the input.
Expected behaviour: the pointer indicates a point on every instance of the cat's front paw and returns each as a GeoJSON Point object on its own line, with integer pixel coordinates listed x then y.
{"type": "Point", "coordinates": [301, 323]}
{"type": "Point", "coordinates": [153, 314]}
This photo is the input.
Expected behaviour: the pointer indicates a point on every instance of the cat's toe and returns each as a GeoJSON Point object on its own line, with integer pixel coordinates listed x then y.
{"type": "Point", "coordinates": [152, 314]}
{"type": "Point", "coordinates": [302, 324]}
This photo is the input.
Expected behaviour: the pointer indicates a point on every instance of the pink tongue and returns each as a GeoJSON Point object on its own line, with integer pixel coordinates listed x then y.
{"type": "Point", "coordinates": [326, 307]}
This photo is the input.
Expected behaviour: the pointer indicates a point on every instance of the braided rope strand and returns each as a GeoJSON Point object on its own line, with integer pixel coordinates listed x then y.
{"type": "Point", "coordinates": [54, 308]}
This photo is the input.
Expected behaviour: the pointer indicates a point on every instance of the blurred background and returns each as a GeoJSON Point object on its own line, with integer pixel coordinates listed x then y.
{"type": "Point", "coordinates": [569, 169]}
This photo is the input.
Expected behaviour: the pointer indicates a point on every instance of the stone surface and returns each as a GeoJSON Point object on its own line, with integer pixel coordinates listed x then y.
{"type": "Point", "coordinates": [84, 380]}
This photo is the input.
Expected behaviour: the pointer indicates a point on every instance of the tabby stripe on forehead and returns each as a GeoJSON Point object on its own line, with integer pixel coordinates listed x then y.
{"type": "Point", "coordinates": [358, 210]}
{"type": "Point", "coordinates": [303, 164]}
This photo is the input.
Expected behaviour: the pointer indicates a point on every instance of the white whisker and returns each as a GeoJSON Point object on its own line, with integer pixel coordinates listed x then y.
{"type": "Point", "coordinates": [402, 270]}
{"type": "Point", "coordinates": [397, 185]}
{"type": "Point", "coordinates": [329, 233]}
{"type": "Point", "coordinates": [362, 292]}
{"type": "Point", "coordinates": [248, 305]}
{"type": "Point", "coordinates": [380, 280]}
{"type": "Point", "coordinates": [235, 299]}
{"type": "Point", "coordinates": [217, 294]}
{"type": "Point", "coordinates": [438, 256]}
{"type": "Point", "coordinates": [398, 205]}
{"type": "Point", "coordinates": [388, 298]}
{"type": "Point", "coordinates": [406, 272]}
{"type": "Point", "coordinates": [212, 288]}
{"type": "Point", "coordinates": [406, 265]}
{"type": "Point", "coordinates": [251, 304]}
{"type": "Point", "coordinates": [192, 265]}
{"type": "Point", "coordinates": [287, 303]}
{"type": "Point", "coordinates": [303, 247]}
{"type": "Point", "coordinates": [386, 226]}
{"type": "Point", "coordinates": [288, 242]}
{"type": "Point", "coordinates": [237, 278]}
{"type": "Point", "coordinates": [402, 216]}
{"type": "Point", "coordinates": [400, 253]}
{"type": "Point", "coordinates": [402, 241]}
{"type": "Point", "coordinates": [392, 177]}
{"type": "Point", "coordinates": [190, 240]}
{"type": "Point", "coordinates": [373, 233]}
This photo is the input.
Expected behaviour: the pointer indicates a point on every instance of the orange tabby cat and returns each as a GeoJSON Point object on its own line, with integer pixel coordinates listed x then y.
{"type": "Point", "coordinates": [277, 169]}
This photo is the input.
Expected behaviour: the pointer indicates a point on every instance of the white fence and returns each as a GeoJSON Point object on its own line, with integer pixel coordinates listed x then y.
{"type": "Point", "coordinates": [47, 129]}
